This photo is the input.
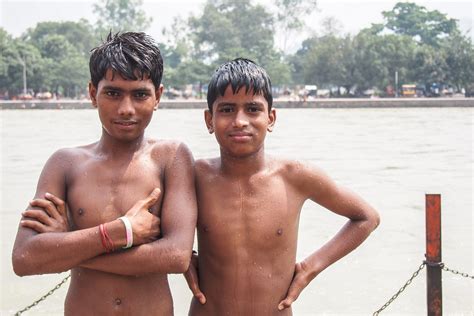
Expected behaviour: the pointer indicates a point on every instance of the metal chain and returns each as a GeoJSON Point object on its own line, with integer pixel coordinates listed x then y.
{"type": "Point", "coordinates": [43, 297]}
{"type": "Point", "coordinates": [456, 272]}
{"type": "Point", "coordinates": [394, 297]}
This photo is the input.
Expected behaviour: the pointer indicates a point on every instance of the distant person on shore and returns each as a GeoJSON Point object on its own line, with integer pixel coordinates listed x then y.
{"type": "Point", "coordinates": [118, 249]}
{"type": "Point", "coordinates": [249, 207]}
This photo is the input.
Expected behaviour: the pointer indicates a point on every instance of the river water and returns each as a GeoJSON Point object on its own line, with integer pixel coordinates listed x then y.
{"type": "Point", "coordinates": [392, 157]}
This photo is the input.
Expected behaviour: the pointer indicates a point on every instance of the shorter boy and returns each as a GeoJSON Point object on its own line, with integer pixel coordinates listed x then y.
{"type": "Point", "coordinates": [249, 207]}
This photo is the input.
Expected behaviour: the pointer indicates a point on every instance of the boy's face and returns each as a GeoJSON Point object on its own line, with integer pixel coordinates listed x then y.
{"type": "Point", "coordinates": [125, 106]}
{"type": "Point", "coordinates": [240, 122]}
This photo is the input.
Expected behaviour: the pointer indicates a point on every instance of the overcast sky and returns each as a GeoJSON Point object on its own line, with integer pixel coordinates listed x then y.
{"type": "Point", "coordinates": [18, 15]}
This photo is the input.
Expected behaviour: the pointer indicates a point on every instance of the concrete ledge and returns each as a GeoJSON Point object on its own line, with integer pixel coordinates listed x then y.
{"type": "Point", "coordinates": [320, 103]}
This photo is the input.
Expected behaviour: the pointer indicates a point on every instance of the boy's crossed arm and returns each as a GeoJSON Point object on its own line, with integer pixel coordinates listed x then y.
{"type": "Point", "coordinates": [44, 246]}
{"type": "Point", "coordinates": [172, 252]}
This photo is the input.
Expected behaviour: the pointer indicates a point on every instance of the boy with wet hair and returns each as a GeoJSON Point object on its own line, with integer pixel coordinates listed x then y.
{"type": "Point", "coordinates": [249, 207]}
{"type": "Point", "coordinates": [85, 215]}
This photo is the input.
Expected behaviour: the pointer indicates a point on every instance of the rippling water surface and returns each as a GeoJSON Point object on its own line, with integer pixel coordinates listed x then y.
{"type": "Point", "coordinates": [391, 157]}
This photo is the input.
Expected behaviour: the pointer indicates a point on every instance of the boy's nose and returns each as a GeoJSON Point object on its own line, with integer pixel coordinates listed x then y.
{"type": "Point", "coordinates": [241, 119]}
{"type": "Point", "coordinates": [126, 107]}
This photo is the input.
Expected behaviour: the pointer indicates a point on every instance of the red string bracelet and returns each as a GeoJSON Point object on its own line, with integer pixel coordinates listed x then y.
{"type": "Point", "coordinates": [103, 238]}
{"type": "Point", "coordinates": [109, 240]}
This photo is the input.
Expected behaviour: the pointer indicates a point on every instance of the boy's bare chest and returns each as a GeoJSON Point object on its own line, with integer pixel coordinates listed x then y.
{"type": "Point", "coordinates": [98, 192]}
{"type": "Point", "coordinates": [263, 213]}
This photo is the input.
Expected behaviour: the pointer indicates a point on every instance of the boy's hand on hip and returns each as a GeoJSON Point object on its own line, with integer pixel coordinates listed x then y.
{"type": "Point", "coordinates": [300, 280]}
{"type": "Point", "coordinates": [145, 225]}
{"type": "Point", "coordinates": [192, 279]}
{"type": "Point", "coordinates": [49, 216]}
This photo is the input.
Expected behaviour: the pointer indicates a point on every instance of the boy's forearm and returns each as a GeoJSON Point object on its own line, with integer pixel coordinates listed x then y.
{"type": "Point", "coordinates": [161, 256]}
{"type": "Point", "coordinates": [351, 235]}
{"type": "Point", "coordinates": [57, 252]}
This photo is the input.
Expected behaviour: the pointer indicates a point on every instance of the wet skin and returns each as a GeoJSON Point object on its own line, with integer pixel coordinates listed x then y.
{"type": "Point", "coordinates": [101, 182]}
{"type": "Point", "coordinates": [249, 209]}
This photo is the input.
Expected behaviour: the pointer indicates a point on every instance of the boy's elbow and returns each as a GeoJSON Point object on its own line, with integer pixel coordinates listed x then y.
{"type": "Point", "coordinates": [20, 264]}
{"type": "Point", "coordinates": [375, 220]}
{"type": "Point", "coordinates": [182, 259]}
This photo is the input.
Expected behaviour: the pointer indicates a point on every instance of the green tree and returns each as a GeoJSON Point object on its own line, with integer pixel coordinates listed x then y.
{"type": "Point", "coordinates": [459, 58]}
{"type": "Point", "coordinates": [20, 56]}
{"type": "Point", "coordinates": [78, 34]}
{"type": "Point", "coordinates": [320, 61]}
{"type": "Point", "coordinates": [227, 29]}
{"type": "Point", "coordinates": [120, 16]}
{"type": "Point", "coordinates": [425, 26]}
{"type": "Point", "coordinates": [290, 17]}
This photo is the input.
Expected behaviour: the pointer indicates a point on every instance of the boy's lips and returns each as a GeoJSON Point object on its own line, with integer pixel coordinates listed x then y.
{"type": "Point", "coordinates": [125, 124]}
{"type": "Point", "coordinates": [240, 136]}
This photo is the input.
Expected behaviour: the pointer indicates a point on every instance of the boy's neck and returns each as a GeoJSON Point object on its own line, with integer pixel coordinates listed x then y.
{"type": "Point", "coordinates": [116, 148]}
{"type": "Point", "coordinates": [243, 166]}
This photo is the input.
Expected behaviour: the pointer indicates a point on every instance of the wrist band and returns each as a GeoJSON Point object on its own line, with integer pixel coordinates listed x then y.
{"type": "Point", "coordinates": [128, 230]}
{"type": "Point", "coordinates": [107, 242]}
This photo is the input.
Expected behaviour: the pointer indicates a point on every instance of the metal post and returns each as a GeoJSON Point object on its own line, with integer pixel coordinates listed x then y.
{"type": "Point", "coordinates": [433, 254]}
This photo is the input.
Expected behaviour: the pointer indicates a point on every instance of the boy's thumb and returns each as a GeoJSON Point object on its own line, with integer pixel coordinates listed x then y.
{"type": "Point", "coordinates": [153, 197]}
{"type": "Point", "coordinates": [201, 298]}
{"type": "Point", "coordinates": [285, 304]}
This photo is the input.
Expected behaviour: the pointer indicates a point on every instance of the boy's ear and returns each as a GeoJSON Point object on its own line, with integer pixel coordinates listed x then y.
{"type": "Point", "coordinates": [158, 94]}
{"type": "Point", "coordinates": [93, 94]}
{"type": "Point", "coordinates": [208, 120]}
{"type": "Point", "coordinates": [271, 120]}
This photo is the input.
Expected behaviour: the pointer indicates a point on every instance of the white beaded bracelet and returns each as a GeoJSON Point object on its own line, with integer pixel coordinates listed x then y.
{"type": "Point", "coordinates": [128, 230]}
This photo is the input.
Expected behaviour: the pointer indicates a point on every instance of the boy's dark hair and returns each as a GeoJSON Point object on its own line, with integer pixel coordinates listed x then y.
{"type": "Point", "coordinates": [238, 73]}
{"type": "Point", "coordinates": [132, 55]}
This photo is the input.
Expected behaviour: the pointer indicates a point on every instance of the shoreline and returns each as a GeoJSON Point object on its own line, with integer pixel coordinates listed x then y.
{"type": "Point", "coordinates": [290, 104]}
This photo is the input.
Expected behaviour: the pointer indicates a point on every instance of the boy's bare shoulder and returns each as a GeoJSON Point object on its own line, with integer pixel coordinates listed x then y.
{"type": "Point", "coordinates": [168, 149]}
{"type": "Point", "coordinates": [72, 154]}
{"type": "Point", "coordinates": [207, 166]}
{"type": "Point", "coordinates": [297, 172]}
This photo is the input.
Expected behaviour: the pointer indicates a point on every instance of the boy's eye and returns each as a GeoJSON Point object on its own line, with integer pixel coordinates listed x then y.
{"type": "Point", "coordinates": [141, 95]}
{"type": "Point", "coordinates": [226, 109]}
{"type": "Point", "coordinates": [111, 93]}
{"type": "Point", "coordinates": [253, 109]}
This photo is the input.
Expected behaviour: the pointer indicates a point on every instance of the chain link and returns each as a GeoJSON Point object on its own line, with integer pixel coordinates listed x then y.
{"type": "Point", "coordinates": [394, 297]}
{"type": "Point", "coordinates": [456, 272]}
{"type": "Point", "coordinates": [43, 297]}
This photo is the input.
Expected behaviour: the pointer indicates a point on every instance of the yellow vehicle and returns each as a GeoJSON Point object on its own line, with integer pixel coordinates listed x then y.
{"type": "Point", "coordinates": [409, 90]}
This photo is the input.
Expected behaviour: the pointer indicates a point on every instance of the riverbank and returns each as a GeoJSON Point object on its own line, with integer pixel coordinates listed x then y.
{"type": "Point", "coordinates": [312, 104]}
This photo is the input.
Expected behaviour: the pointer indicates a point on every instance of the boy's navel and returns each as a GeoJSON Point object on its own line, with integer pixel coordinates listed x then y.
{"type": "Point", "coordinates": [280, 231]}
{"type": "Point", "coordinates": [80, 211]}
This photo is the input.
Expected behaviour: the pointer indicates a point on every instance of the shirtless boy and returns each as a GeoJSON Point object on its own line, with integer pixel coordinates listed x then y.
{"type": "Point", "coordinates": [102, 182]}
{"type": "Point", "coordinates": [249, 207]}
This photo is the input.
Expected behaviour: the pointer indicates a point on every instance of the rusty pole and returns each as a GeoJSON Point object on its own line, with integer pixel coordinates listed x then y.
{"type": "Point", "coordinates": [433, 254]}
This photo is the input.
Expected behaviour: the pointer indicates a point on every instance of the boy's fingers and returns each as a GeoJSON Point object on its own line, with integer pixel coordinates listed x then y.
{"type": "Point", "coordinates": [285, 303]}
{"type": "Point", "coordinates": [201, 298]}
{"type": "Point", "coordinates": [193, 283]}
{"type": "Point", "coordinates": [34, 225]}
{"type": "Point", "coordinates": [47, 206]}
{"type": "Point", "coordinates": [197, 291]}
{"type": "Point", "coordinates": [152, 198]}
{"type": "Point", "coordinates": [61, 206]}
{"type": "Point", "coordinates": [37, 216]}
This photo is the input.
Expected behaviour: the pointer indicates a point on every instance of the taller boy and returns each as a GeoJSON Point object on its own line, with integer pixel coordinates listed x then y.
{"type": "Point", "coordinates": [250, 203]}
{"type": "Point", "coordinates": [102, 182]}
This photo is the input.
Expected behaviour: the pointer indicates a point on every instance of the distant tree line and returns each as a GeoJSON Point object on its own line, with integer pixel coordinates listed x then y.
{"type": "Point", "coordinates": [418, 45]}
